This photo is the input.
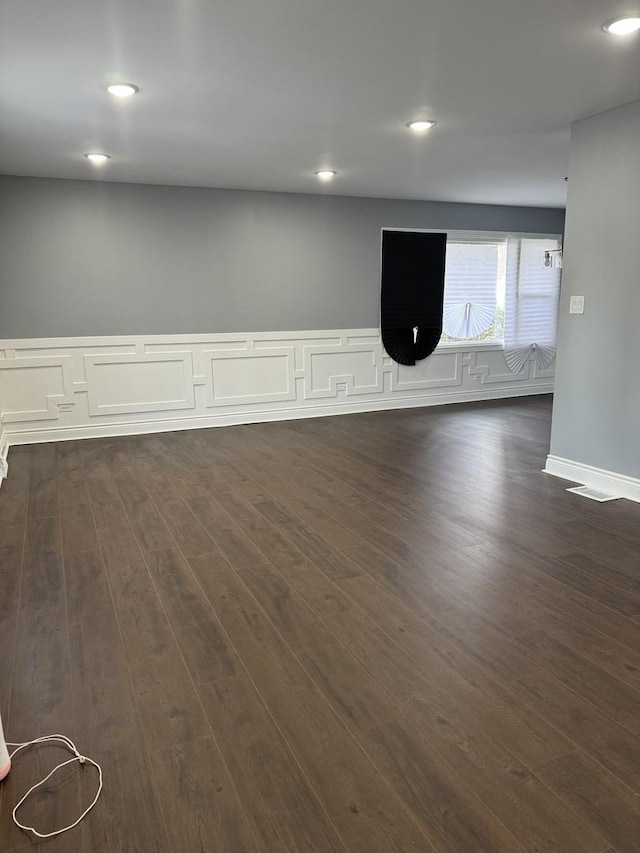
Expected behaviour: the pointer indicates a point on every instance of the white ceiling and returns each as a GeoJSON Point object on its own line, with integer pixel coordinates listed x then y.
{"type": "Point", "coordinates": [257, 94]}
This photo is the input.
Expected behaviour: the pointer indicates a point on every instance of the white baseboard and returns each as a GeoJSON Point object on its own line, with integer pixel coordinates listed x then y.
{"type": "Point", "coordinates": [59, 389]}
{"type": "Point", "coordinates": [72, 433]}
{"type": "Point", "coordinates": [597, 478]}
{"type": "Point", "coordinates": [4, 452]}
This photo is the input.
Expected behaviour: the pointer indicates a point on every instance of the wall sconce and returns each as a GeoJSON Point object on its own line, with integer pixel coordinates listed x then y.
{"type": "Point", "coordinates": [553, 258]}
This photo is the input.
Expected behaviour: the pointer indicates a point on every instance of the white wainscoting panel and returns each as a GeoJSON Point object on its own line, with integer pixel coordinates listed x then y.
{"type": "Point", "coordinates": [351, 368]}
{"type": "Point", "coordinates": [32, 388]}
{"type": "Point", "coordinates": [250, 376]}
{"type": "Point", "coordinates": [122, 384]}
{"type": "Point", "coordinates": [443, 369]}
{"type": "Point", "coordinates": [67, 388]}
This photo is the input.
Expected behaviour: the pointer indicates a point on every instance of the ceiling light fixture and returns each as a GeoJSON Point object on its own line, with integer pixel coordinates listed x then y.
{"type": "Point", "coordinates": [623, 26]}
{"type": "Point", "coordinates": [121, 90]}
{"type": "Point", "coordinates": [97, 158]}
{"type": "Point", "coordinates": [326, 174]}
{"type": "Point", "coordinates": [420, 125]}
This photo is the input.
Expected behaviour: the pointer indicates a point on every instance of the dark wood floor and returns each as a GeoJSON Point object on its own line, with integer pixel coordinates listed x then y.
{"type": "Point", "coordinates": [372, 633]}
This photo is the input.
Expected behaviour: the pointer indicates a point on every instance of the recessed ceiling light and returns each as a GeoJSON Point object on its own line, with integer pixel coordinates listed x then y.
{"type": "Point", "coordinates": [420, 125]}
{"type": "Point", "coordinates": [623, 26]}
{"type": "Point", "coordinates": [97, 158]}
{"type": "Point", "coordinates": [326, 174]}
{"type": "Point", "coordinates": [121, 90]}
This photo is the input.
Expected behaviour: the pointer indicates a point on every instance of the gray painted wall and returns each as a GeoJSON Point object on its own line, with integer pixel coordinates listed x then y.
{"type": "Point", "coordinates": [90, 258]}
{"type": "Point", "coordinates": [596, 417]}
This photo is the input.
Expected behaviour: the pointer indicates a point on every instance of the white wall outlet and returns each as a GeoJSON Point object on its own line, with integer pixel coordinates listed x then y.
{"type": "Point", "coordinates": [576, 305]}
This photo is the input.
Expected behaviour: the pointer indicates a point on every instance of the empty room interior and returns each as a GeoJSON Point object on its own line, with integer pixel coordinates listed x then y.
{"type": "Point", "coordinates": [319, 426]}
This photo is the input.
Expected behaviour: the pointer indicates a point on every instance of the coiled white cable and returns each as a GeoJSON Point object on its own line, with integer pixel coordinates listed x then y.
{"type": "Point", "coordinates": [82, 759]}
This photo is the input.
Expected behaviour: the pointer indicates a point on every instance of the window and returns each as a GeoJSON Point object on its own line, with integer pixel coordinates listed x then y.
{"type": "Point", "coordinates": [474, 289]}
{"type": "Point", "coordinates": [532, 299]}
{"type": "Point", "coordinates": [497, 289]}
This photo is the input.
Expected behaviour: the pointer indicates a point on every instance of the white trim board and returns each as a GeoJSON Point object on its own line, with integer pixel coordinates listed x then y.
{"type": "Point", "coordinates": [73, 433]}
{"type": "Point", "coordinates": [597, 478]}
{"type": "Point", "coordinates": [4, 452]}
{"type": "Point", "coordinates": [55, 389]}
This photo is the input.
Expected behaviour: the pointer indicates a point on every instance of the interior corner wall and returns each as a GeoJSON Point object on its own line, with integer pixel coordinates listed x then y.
{"type": "Point", "coordinates": [89, 258]}
{"type": "Point", "coordinates": [596, 417]}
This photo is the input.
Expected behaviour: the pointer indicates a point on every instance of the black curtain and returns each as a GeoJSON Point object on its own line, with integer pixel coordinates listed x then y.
{"type": "Point", "coordinates": [412, 293]}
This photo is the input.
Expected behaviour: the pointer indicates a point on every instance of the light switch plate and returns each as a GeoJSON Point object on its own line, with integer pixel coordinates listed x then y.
{"type": "Point", "coordinates": [576, 305]}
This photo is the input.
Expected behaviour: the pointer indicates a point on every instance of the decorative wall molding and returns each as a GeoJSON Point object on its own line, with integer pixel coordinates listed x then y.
{"type": "Point", "coordinates": [597, 478]}
{"type": "Point", "coordinates": [250, 377]}
{"type": "Point", "coordinates": [37, 386]}
{"type": "Point", "coordinates": [161, 382]}
{"type": "Point", "coordinates": [351, 367]}
{"type": "Point", "coordinates": [67, 388]}
{"type": "Point", "coordinates": [443, 369]}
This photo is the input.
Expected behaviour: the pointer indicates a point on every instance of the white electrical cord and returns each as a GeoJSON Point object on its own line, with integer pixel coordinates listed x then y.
{"type": "Point", "coordinates": [76, 757]}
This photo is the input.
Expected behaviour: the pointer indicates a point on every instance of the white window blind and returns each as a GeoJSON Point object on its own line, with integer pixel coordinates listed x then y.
{"type": "Point", "coordinates": [471, 276]}
{"type": "Point", "coordinates": [531, 305]}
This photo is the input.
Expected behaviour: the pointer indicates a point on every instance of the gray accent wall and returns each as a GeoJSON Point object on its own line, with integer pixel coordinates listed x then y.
{"type": "Point", "coordinates": [596, 417]}
{"type": "Point", "coordinates": [86, 258]}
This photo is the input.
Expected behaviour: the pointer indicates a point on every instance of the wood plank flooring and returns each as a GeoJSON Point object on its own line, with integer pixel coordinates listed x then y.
{"type": "Point", "coordinates": [375, 633]}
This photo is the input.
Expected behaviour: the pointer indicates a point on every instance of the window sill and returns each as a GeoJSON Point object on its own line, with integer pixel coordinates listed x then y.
{"type": "Point", "coordinates": [470, 345]}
